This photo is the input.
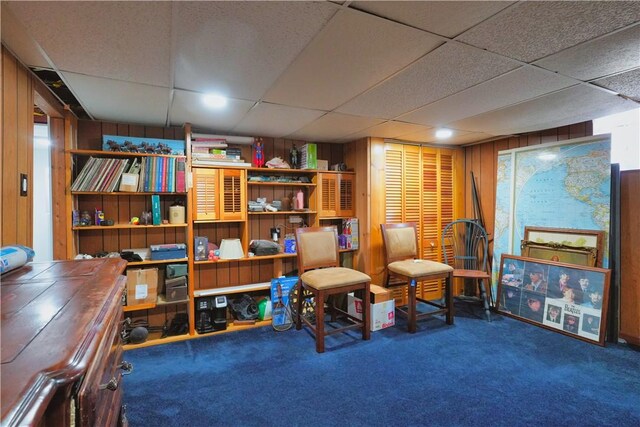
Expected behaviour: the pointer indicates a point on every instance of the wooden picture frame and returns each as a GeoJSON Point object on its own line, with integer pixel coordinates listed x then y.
{"type": "Point", "coordinates": [568, 238]}
{"type": "Point", "coordinates": [586, 256]}
{"type": "Point", "coordinates": [566, 298]}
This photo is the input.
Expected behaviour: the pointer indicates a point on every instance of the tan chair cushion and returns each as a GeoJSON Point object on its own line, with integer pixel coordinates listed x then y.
{"type": "Point", "coordinates": [418, 267]}
{"type": "Point", "coordinates": [401, 242]}
{"type": "Point", "coordinates": [318, 247]}
{"type": "Point", "coordinates": [334, 277]}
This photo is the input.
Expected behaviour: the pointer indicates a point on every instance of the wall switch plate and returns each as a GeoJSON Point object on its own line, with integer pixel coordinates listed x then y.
{"type": "Point", "coordinates": [294, 219]}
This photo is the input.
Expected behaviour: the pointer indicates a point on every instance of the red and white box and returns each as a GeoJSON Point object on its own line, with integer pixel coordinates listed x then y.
{"type": "Point", "coordinates": [382, 308]}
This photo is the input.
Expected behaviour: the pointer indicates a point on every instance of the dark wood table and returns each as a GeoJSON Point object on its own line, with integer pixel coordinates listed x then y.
{"type": "Point", "coordinates": [61, 346]}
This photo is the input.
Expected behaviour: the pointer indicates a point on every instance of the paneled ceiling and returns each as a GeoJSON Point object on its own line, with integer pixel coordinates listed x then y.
{"type": "Point", "coordinates": [337, 71]}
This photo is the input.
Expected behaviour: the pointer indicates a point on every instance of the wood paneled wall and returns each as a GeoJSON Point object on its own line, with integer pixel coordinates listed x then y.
{"type": "Point", "coordinates": [482, 160]}
{"type": "Point", "coordinates": [16, 152]}
{"type": "Point", "coordinates": [629, 259]}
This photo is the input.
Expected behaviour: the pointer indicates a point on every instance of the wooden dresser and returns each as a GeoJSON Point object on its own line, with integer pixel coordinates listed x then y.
{"type": "Point", "coordinates": [61, 348]}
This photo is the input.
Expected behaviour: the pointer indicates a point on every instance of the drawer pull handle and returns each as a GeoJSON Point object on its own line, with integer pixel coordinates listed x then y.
{"type": "Point", "coordinates": [126, 367]}
{"type": "Point", "coordinates": [111, 385]}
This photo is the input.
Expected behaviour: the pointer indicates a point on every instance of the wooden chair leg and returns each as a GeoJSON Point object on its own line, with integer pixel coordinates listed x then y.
{"type": "Point", "coordinates": [366, 314]}
{"type": "Point", "coordinates": [448, 297]}
{"type": "Point", "coordinates": [298, 318]}
{"type": "Point", "coordinates": [320, 322]}
{"type": "Point", "coordinates": [412, 306]}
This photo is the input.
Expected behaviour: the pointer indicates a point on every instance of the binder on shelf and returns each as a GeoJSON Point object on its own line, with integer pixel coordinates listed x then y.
{"type": "Point", "coordinates": [155, 209]}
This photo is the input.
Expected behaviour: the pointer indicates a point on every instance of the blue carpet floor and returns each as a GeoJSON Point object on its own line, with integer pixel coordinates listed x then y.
{"type": "Point", "coordinates": [473, 373]}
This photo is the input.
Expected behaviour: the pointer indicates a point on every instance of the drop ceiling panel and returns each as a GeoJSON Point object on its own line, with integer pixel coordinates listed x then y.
{"type": "Point", "coordinates": [390, 129]}
{"type": "Point", "coordinates": [239, 49]}
{"type": "Point", "coordinates": [534, 29]}
{"type": "Point", "coordinates": [352, 53]}
{"type": "Point", "coordinates": [568, 106]}
{"type": "Point", "coordinates": [22, 45]}
{"type": "Point", "coordinates": [275, 120]}
{"type": "Point", "coordinates": [443, 72]}
{"type": "Point", "coordinates": [602, 57]}
{"type": "Point", "coordinates": [510, 88]}
{"type": "Point", "coordinates": [447, 18]}
{"type": "Point", "coordinates": [333, 126]}
{"type": "Point", "coordinates": [627, 84]}
{"type": "Point", "coordinates": [118, 101]}
{"type": "Point", "coordinates": [187, 107]}
{"type": "Point", "coordinates": [127, 41]}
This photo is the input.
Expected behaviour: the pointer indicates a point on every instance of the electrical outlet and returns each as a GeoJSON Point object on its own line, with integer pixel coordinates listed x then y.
{"type": "Point", "coordinates": [294, 219]}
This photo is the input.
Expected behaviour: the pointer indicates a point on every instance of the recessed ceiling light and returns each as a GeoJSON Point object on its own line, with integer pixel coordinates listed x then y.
{"type": "Point", "coordinates": [214, 101]}
{"type": "Point", "coordinates": [444, 133]}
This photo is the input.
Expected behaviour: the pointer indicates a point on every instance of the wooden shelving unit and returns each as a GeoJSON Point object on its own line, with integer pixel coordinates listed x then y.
{"type": "Point", "coordinates": [216, 207]}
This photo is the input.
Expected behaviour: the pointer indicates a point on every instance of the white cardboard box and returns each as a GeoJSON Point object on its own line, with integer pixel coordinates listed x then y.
{"type": "Point", "coordinates": [382, 312]}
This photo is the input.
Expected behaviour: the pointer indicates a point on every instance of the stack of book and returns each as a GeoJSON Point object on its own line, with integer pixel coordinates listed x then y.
{"type": "Point", "coordinates": [213, 151]}
{"type": "Point", "coordinates": [145, 174]}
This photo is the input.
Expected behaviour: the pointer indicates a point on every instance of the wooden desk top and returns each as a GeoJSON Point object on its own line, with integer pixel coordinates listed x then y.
{"type": "Point", "coordinates": [52, 318]}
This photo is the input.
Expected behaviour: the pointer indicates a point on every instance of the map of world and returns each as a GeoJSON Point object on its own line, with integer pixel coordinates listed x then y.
{"type": "Point", "coordinates": [560, 185]}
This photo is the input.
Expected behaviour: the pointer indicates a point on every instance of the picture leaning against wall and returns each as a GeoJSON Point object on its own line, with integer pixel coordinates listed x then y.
{"type": "Point", "coordinates": [566, 298]}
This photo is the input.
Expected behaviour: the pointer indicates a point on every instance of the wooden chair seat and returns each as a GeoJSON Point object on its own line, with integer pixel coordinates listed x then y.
{"type": "Point", "coordinates": [418, 268]}
{"type": "Point", "coordinates": [470, 274]}
{"type": "Point", "coordinates": [334, 277]}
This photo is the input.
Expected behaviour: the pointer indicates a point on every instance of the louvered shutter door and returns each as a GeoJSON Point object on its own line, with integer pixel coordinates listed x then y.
{"type": "Point", "coordinates": [411, 182]}
{"type": "Point", "coordinates": [347, 188]}
{"type": "Point", "coordinates": [393, 183]}
{"type": "Point", "coordinates": [419, 188]}
{"type": "Point", "coordinates": [446, 190]}
{"type": "Point", "coordinates": [430, 205]}
{"type": "Point", "coordinates": [233, 203]}
{"type": "Point", "coordinates": [205, 183]}
{"type": "Point", "coordinates": [328, 196]}
{"type": "Point", "coordinates": [430, 213]}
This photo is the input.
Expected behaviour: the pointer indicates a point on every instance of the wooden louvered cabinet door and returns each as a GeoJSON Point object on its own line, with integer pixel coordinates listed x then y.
{"type": "Point", "coordinates": [206, 197]}
{"type": "Point", "coordinates": [233, 196]}
{"type": "Point", "coordinates": [337, 194]}
{"type": "Point", "coordinates": [328, 194]}
{"type": "Point", "coordinates": [347, 195]}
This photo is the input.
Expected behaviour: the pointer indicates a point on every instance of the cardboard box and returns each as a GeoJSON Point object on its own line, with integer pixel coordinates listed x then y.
{"type": "Point", "coordinates": [323, 165]}
{"type": "Point", "coordinates": [175, 289]}
{"type": "Point", "coordinates": [142, 286]}
{"type": "Point", "coordinates": [382, 308]}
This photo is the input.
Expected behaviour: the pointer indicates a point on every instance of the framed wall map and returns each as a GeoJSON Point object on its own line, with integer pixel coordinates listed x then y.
{"type": "Point", "coordinates": [561, 185]}
{"type": "Point", "coordinates": [566, 298]}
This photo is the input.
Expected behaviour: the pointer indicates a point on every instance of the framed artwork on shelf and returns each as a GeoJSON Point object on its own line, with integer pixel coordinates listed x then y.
{"type": "Point", "coordinates": [566, 298]}
{"type": "Point", "coordinates": [566, 238]}
{"type": "Point", "coordinates": [562, 253]}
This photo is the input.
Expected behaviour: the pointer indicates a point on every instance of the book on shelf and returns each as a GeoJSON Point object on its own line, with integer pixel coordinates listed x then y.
{"type": "Point", "coordinates": [181, 168]}
{"type": "Point", "coordinates": [146, 174]}
{"type": "Point", "coordinates": [82, 176]}
{"type": "Point", "coordinates": [155, 209]}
